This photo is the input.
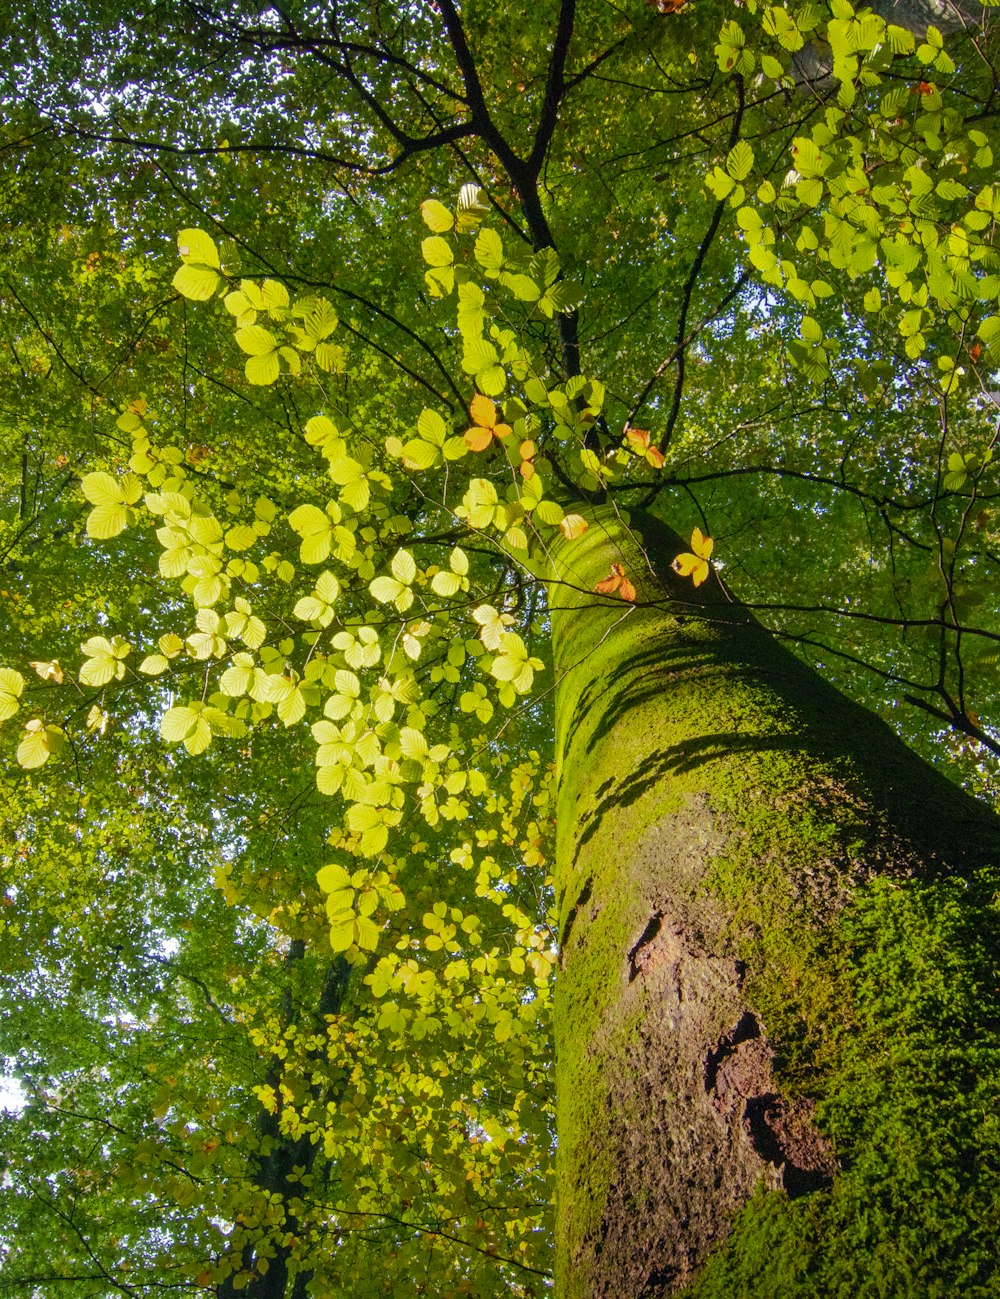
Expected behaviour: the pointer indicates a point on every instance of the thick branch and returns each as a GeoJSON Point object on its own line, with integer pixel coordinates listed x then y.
{"type": "Point", "coordinates": [555, 85]}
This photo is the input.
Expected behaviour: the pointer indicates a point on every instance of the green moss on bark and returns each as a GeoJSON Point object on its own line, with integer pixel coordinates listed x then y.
{"type": "Point", "coordinates": [908, 1093]}
{"type": "Point", "coordinates": [779, 930]}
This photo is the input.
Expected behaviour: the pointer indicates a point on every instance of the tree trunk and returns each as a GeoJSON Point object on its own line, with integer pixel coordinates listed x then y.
{"type": "Point", "coordinates": [280, 1155]}
{"type": "Point", "coordinates": [777, 1043]}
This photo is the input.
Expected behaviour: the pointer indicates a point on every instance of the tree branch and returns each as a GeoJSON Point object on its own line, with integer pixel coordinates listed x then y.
{"type": "Point", "coordinates": [555, 85]}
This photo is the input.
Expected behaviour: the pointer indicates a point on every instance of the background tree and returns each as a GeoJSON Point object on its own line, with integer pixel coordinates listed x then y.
{"type": "Point", "coordinates": [790, 283]}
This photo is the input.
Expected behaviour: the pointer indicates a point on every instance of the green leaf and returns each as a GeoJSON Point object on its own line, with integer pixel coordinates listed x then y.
{"type": "Point", "coordinates": [523, 287]}
{"type": "Point", "coordinates": [356, 494]}
{"type": "Point", "coordinates": [387, 589]}
{"type": "Point", "coordinates": [101, 489]}
{"type": "Point", "coordinates": [720, 183]}
{"type": "Point", "coordinates": [432, 427]}
{"type": "Point", "coordinates": [549, 512]}
{"type": "Point", "coordinates": [445, 583]}
{"type": "Point", "coordinates": [367, 933]}
{"type": "Point", "coordinates": [489, 250]}
{"type": "Point", "coordinates": [178, 722]}
{"type": "Point", "coordinates": [347, 683]}
{"type": "Point", "coordinates": [342, 931]}
{"type": "Point", "coordinates": [311, 609]}
{"type": "Point", "coordinates": [107, 521]}
{"type": "Point", "coordinates": [330, 358]}
{"type": "Point", "coordinates": [811, 330]}
{"type": "Point", "coordinates": [739, 162]}
{"type": "Point", "coordinates": [418, 454]}
{"type": "Point", "coordinates": [478, 355]}
{"type": "Point", "coordinates": [275, 296]}
{"type": "Point", "coordinates": [492, 380]}
{"type": "Point", "coordinates": [241, 537]}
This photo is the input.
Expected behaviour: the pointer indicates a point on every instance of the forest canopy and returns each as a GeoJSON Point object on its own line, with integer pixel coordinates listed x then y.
{"type": "Point", "coordinates": [338, 339]}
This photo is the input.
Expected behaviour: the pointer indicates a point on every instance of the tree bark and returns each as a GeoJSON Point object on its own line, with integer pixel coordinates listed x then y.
{"type": "Point", "coordinates": [777, 1044]}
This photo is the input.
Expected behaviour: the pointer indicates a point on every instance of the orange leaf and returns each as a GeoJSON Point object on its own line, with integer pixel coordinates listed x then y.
{"type": "Point", "coordinates": [608, 585]}
{"type": "Point", "coordinates": [640, 440]}
{"type": "Point", "coordinates": [483, 411]}
{"type": "Point", "coordinates": [615, 581]}
{"type": "Point", "coordinates": [478, 439]}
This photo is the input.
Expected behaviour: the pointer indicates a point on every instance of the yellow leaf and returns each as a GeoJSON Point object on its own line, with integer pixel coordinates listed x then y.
{"type": "Point", "coordinates": [197, 246]}
{"type": "Point", "coordinates": [106, 521]}
{"type": "Point", "coordinates": [262, 370]}
{"type": "Point", "coordinates": [436, 216]}
{"type": "Point", "coordinates": [39, 744]}
{"type": "Point", "coordinates": [196, 282]}
{"type": "Point", "coordinates": [695, 565]}
{"type": "Point", "coordinates": [49, 671]}
{"type": "Point", "coordinates": [101, 489]}
{"type": "Point", "coordinates": [573, 526]}
{"type": "Point", "coordinates": [11, 685]}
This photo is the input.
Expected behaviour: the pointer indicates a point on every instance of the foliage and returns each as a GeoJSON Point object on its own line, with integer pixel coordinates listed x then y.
{"type": "Point", "coordinates": [278, 512]}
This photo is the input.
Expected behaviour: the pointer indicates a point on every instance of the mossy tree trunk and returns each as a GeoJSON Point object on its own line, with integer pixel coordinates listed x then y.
{"type": "Point", "coordinates": [777, 1012]}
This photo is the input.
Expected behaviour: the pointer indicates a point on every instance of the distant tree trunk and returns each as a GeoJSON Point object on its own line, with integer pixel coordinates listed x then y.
{"type": "Point", "coordinates": [279, 1157]}
{"type": "Point", "coordinates": [777, 1008]}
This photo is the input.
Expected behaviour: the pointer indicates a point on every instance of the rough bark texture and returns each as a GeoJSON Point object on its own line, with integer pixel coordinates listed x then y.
{"type": "Point", "coordinates": [776, 1017]}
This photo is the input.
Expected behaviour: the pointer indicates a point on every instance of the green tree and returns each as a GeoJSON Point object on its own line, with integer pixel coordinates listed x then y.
{"type": "Point", "coordinates": [369, 536]}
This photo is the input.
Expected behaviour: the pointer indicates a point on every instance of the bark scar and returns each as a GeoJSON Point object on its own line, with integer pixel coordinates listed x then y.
{"type": "Point", "coordinates": [739, 1079]}
{"type": "Point", "coordinates": [637, 958]}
